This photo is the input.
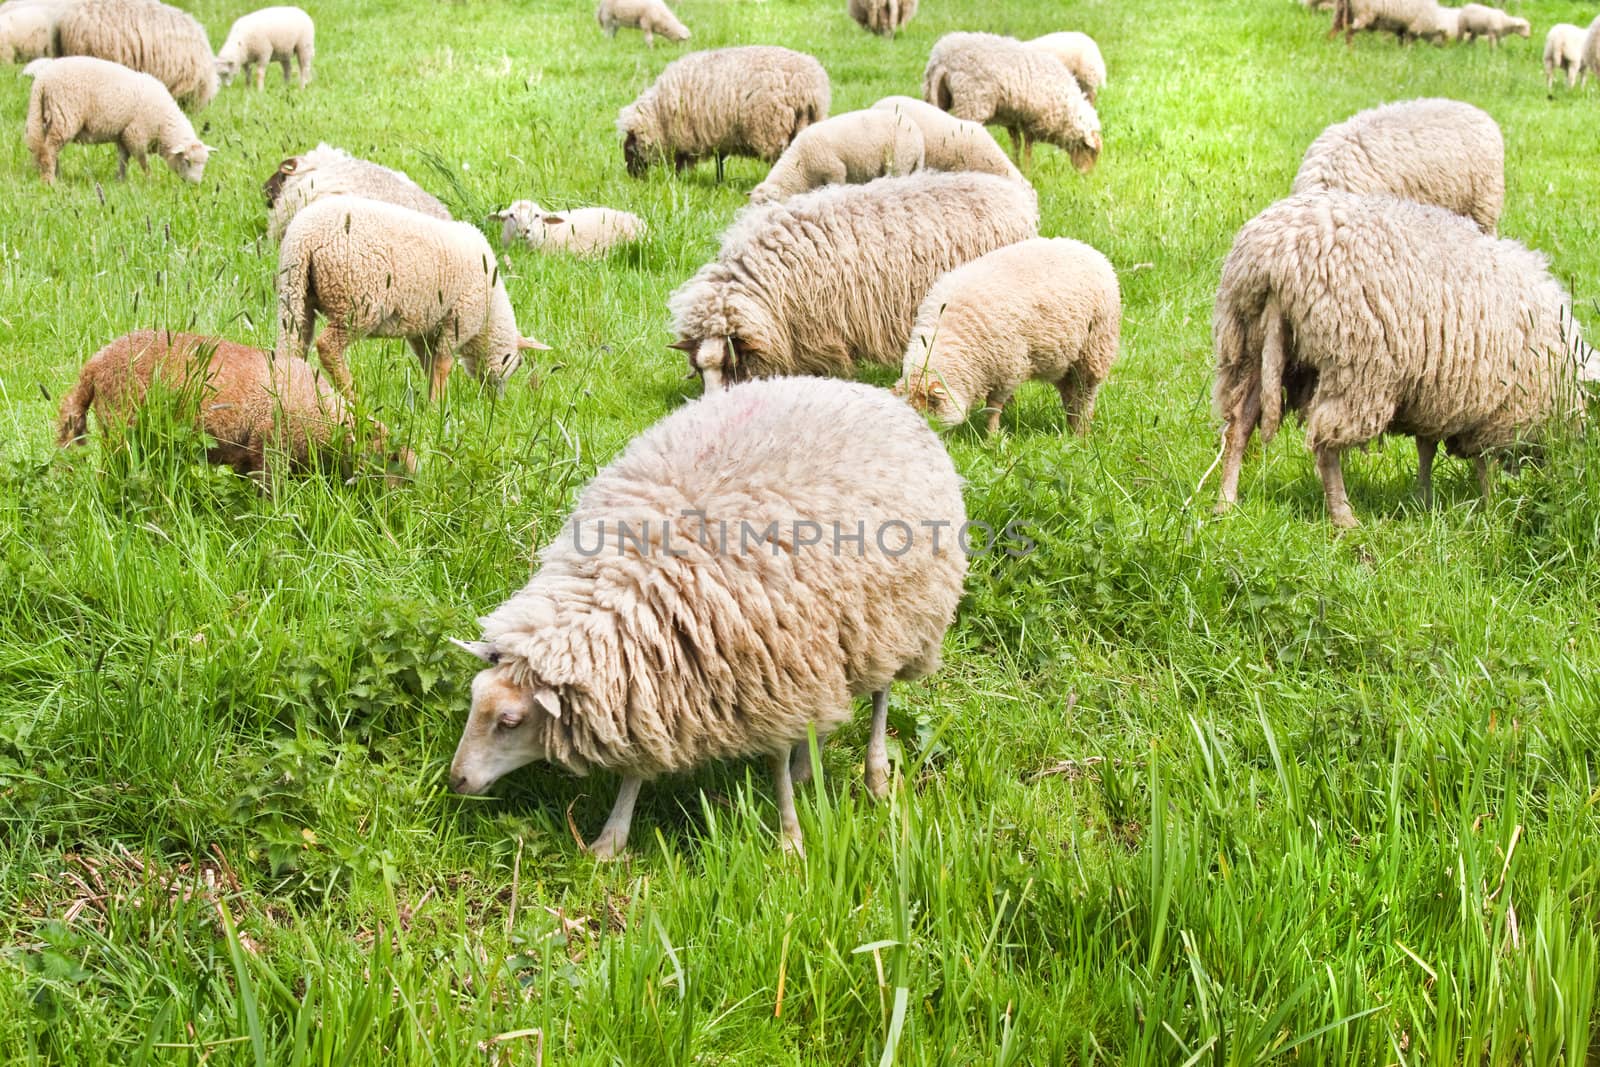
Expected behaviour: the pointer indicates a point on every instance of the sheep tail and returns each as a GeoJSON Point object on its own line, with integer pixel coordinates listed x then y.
{"type": "Point", "coordinates": [936, 89]}
{"type": "Point", "coordinates": [1272, 360]}
{"type": "Point", "coordinates": [297, 294]}
{"type": "Point", "coordinates": [72, 426]}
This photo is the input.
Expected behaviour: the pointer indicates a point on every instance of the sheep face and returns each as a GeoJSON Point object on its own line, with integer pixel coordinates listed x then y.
{"type": "Point", "coordinates": [189, 161]}
{"type": "Point", "coordinates": [718, 361]}
{"type": "Point", "coordinates": [635, 156]}
{"type": "Point", "coordinates": [932, 397]}
{"type": "Point", "coordinates": [227, 69]}
{"type": "Point", "coordinates": [505, 728]}
{"type": "Point", "coordinates": [1086, 153]}
{"type": "Point", "coordinates": [518, 222]}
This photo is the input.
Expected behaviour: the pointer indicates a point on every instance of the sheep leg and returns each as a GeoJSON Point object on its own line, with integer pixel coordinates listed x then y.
{"type": "Point", "coordinates": [303, 59]}
{"type": "Point", "coordinates": [800, 769]}
{"type": "Point", "coordinates": [1016, 142]}
{"type": "Point", "coordinates": [1237, 438]}
{"type": "Point", "coordinates": [1427, 448]}
{"type": "Point", "coordinates": [1484, 468]}
{"type": "Point", "coordinates": [1077, 399]}
{"type": "Point", "coordinates": [878, 746]}
{"type": "Point", "coordinates": [719, 168]}
{"type": "Point", "coordinates": [436, 359]}
{"type": "Point", "coordinates": [122, 162]}
{"type": "Point", "coordinates": [783, 789]}
{"type": "Point", "coordinates": [330, 351]}
{"type": "Point", "coordinates": [1027, 152]}
{"type": "Point", "coordinates": [614, 835]}
{"type": "Point", "coordinates": [1332, 475]}
{"type": "Point", "coordinates": [284, 63]}
{"type": "Point", "coordinates": [48, 150]}
{"type": "Point", "coordinates": [649, 39]}
{"type": "Point", "coordinates": [261, 74]}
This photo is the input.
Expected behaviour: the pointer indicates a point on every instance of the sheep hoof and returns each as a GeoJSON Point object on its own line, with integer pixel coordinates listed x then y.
{"type": "Point", "coordinates": [1223, 507]}
{"type": "Point", "coordinates": [607, 848]}
{"type": "Point", "coordinates": [878, 782]}
{"type": "Point", "coordinates": [793, 846]}
{"type": "Point", "coordinates": [1344, 520]}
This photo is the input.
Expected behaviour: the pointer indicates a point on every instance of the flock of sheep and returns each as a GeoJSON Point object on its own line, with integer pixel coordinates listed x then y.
{"type": "Point", "coordinates": [760, 558]}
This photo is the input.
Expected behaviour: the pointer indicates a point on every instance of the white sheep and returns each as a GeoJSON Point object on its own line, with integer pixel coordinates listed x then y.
{"type": "Point", "coordinates": [1404, 18]}
{"type": "Point", "coordinates": [855, 147]}
{"type": "Point", "coordinates": [950, 143]}
{"type": "Point", "coordinates": [1079, 53]}
{"type": "Point", "coordinates": [883, 17]}
{"type": "Point", "coordinates": [26, 33]}
{"type": "Point", "coordinates": [270, 35]}
{"type": "Point", "coordinates": [736, 578]}
{"type": "Point", "coordinates": [377, 270]}
{"type": "Point", "coordinates": [1591, 51]}
{"type": "Point", "coordinates": [1563, 51]}
{"type": "Point", "coordinates": [1046, 309]}
{"type": "Point", "coordinates": [158, 39]}
{"type": "Point", "coordinates": [1480, 20]}
{"type": "Point", "coordinates": [328, 171]}
{"type": "Point", "coordinates": [582, 231]}
{"type": "Point", "coordinates": [92, 101]}
{"type": "Point", "coordinates": [820, 281]}
{"type": "Point", "coordinates": [651, 16]}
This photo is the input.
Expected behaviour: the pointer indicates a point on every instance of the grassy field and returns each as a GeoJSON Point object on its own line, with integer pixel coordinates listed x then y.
{"type": "Point", "coordinates": [1187, 791]}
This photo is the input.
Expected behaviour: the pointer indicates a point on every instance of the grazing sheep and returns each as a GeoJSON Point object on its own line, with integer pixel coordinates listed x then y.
{"type": "Point", "coordinates": [855, 147]}
{"type": "Point", "coordinates": [1047, 310]}
{"type": "Point", "coordinates": [272, 34]}
{"type": "Point", "coordinates": [92, 101]}
{"type": "Point", "coordinates": [818, 282]}
{"type": "Point", "coordinates": [147, 36]}
{"type": "Point", "coordinates": [377, 270]}
{"type": "Point", "coordinates": [582, 231]}
{"type": "Point", "coordinates": [745, 101]}
{"type": "Point", "coordinates": [328, 171]}
{"type": "Point", "coordinates": [950, 143]}
{"type": "Point", "coordinates": [26, 33]}
{"type": "Point", "coordinates": [1404, 18]}
{"type": "Point", "coordinates": [1439, 152]}
{"type": "Point", "coordinates": [651, 16]}
{"type": "Point", "coordinates": [1080, 55]}
{"type": "Point", "coordinates": [1591, 51]}
{"type": "Point", "coordinates": [1440, 24]}
{"type": "Point", "coordinates": [249, 402]}
{"type": "Point", "coordinates": [708, 598]}
{"type": "Point", "coordinates": [1480, 20]}
{"type": "Point", "coordinates": [1563, 50]}
{"type": "Point", "coordinates": [1371, 315]}
{"type": "Point", "coordinates": [986, 78]}
{"type": "Point", "coordinates": [883, 17]}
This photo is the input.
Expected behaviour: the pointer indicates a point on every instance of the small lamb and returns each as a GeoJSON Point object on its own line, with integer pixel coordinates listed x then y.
{"type": "Point", "coordinates": [852, 148]}
{"type": "Point", "coordinates": [1046, 309]}
{"type": "Point", "coordinates": [651, 16]}
{"type": "Point", "coordinates": [1563, 51]}
{"type": "Point", "coordinates": [270, 35]}
{"type": "Point", "coordinates": [581, 231]}
{"type": "Point", "coordinates": [1480, 20]}
{"type": "Point", "coordinates": [93, 101]}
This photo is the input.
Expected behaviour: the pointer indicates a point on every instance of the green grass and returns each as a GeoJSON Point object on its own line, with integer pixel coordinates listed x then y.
{"type": "Point", "coordinates": [1187, 790]}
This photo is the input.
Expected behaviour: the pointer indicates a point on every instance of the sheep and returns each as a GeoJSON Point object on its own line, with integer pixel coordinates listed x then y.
{"type": "Point", "coordinates": [328, 171]}
{"type": "Point", "coordinates": [93, 101]}
{"type": "Point", "coordinates": [651, 16]}
{"type": "Point", "coordinates": [746, 568]}
{"type": "Point", "coordinates": [986, 78]}
{"type": "Point", "coordinates": [147, 36]}
{"type": "Point", "coordinates": [1080, 55]}
{"type": "Point", "coordinates": [1440, 152]}
{"type": "Point", "coordinates": [377, 270]}
{"type": "Point", "coordinates": [272, 34]}
{"type": "Point", "coordinates": [950, 143]}
{"type": "Point", "coordinates": [1439, 24]}
{"type": "Point", "coordinates": [1404, 18]}
{"type": "Point", "coordinates": [1047, 309]}
{"type": "Point", "coordinates": [744, 101]}
{"type": "Point", "coordinates": [1371, 315]}
{"type": "Point", "coordinates": [812, 284]}
{"type": "Point", "coordinates": [1563, 50]}
{"type": "Point", "coordinates": [1591, 51]}
{"type": "Point", "coordinates": [883, 17]}
{"type": "Point", "coordinates": [583, 231]}
{"type": "Point", "coordinates": [857, 146]}
{"type": "Point", "coordinates": [1479, 20]}
{"type": "Point", "coordinates": [26, 33]}
{"type": "Point", "coordinates": [249, 403]}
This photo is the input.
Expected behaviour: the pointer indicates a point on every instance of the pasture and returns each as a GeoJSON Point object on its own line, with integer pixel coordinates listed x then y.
{"type": "Point", "coordinates": [1187, 790]}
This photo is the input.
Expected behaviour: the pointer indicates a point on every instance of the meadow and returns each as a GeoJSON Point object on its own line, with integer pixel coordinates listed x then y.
{"type": "Point", "coordinates": [1187, 790]}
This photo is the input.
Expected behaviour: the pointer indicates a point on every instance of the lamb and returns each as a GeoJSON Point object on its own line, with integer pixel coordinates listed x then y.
{"type": "Point", "coordinates": [1591, 51]}
{"type": "Point", "coordinates": [147, 36]}
{"type": "Point", "coordinates": [1479, 20]}
{"type": "Point", "coordinates": [1563, 50]}
{"type": "Point", "coordinates": [1440, 152]}
{"type": "Point", "coordinates": [986, 78]}
{"type": "Point", "coordinates": [854, 147]}
{"type": "Point", "coordinates": [707, 598]}
{"type": "Point", "coordinates": [950, 143]}
{"type": "Point", "coordinates": [252, 405]}
{"type": "Point", "coordinates": [812, 284]}
{"type": "Point", "coordinates": [1404, 18]}
{"type": "Point", "coordinates": [883, 17]}
{"type": "Point", "coordinates": [272, 34]}
{"type": "Point", "coordinates": [1371, 315]}
{"type": "Point", "coordinates": [583, 231]}
{"type": "Point", "coordinates": [1047, 309]}
{"type": "Point", "coordinates": [744, 101]}
{"type": "Point", "coordinates": [92, 101]}
{"type": "Point", "coordinates": [1080, 55]}
{"type": "Point", "coordinates": [328, 171]}
{"type": "Point", "coordinates": [377, 270]}
{"type": "Point", "coordinates": [651, 16]}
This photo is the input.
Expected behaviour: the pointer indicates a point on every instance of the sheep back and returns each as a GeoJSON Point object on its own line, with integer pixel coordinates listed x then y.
{"type": "Point", "coordinates": [857, 146]}
{"type": "Point", "coordinates": [328, 171]}
{"type": "Point", "coordinates": [147, 36]}
{"type": "Point", "coordinates": [950, 143]}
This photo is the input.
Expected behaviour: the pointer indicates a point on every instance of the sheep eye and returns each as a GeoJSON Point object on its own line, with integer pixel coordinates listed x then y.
{"type": "Point", "coordinates": [507, 723]}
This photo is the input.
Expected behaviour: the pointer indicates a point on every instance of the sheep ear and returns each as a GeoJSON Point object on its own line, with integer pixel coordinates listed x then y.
{"type": "Point", "coordinates": [553, 220]}
{"type": "Point", "coordinates": [288, 166]}
{"type": "Point", "coordinates": [528, 344]}
{"type": "Point", "coordinates": [938, 390]}
{"type": "Point", "coordinates": [685, 345]}
{"type": "Point", "coordinates": [482, 649]}
{"type": "Point", "coordinates": [497, 216]}
{"type": "Point", "coordinates": [546, 698]}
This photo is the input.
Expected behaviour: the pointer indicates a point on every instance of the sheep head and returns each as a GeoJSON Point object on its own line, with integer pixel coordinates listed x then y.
{"type": "Point", "coordinates": [272, 188]}
{"type": "Point", "coordinates": [929, 394]}
{"type": "Point", "coordinates": [189, 160]}
{"type": "Point", "coordinates": [718, 361]}
{"type": "Point", "coordinates": [506, 727]}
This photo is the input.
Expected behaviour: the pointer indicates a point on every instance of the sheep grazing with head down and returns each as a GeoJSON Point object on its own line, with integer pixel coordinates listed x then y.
{"type": "Point", "coordinates": [857, 146]}
{"type": "Point", "coordinates": [272, 34]}
{"type": "Point", "coordinates": [883, 17]}
{"type": "Point", "coordinates": [1370, 315]}
{"type": "Point", "coordinates": [147, 36]}
{"type": "Point", "coordinates": [650, 16]}
{"type": "Point", "coordinates": [949, 143]}
{"type": "Point", "coordinates": [737, 577]}
{"type": "Point", "coordinates": [1480, 20]}
{"type": "Point", "coordinates": [328, 171]}
{"type": "Point", "coordinates": [814, 283]}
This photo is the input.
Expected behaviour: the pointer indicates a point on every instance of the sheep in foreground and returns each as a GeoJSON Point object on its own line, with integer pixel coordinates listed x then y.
{"type": "Point", "coordinates": [1480, 20]}
{"type": "Point", "coordinates": [1433, 151]}
{"type": "Point", "coordinates": [1371, 315]}
{"type": "Point", "coordinates": [950, 143]}
{"type": "Point", "coordinates": [270, 35]}
{"type": "Point", "coordinates": [851, 148]}
{"type": "Point", "coordinates": [328, 171]}
{"type": "Point", "coordinates": [26, 33]}
{"type": "Point", "coordinates": [1080, 55]}
{"type": "Point", "coordinates": [376, 270]}
{"type": "Point", "coordinates": [744, 101]}
{"type": "Point", "coordinates": [1591, 51]}
{"type": "Point", "coordinates": [883, 17]}
{"type": "Point", "coordinates": [92, 101]}
{"type": "Point", "coordinates": [147, 36]}
{"type": "Point", "coordinates": [986, 78]}
{"type": "Point", "coordinates": [1563, 51]}
{"type": "Point", "coordinates": [651, 16]}
{"type": "Point", "coordinates": [706, 599]}
{"type": "Point", "coordinates": [812, 284]}
{"type": "Point", "coordinates": [582, 231]}
{"type": "Point", "coordinates": [252, 405]}
{"type": "Point", "coordinates": [1047, 309]}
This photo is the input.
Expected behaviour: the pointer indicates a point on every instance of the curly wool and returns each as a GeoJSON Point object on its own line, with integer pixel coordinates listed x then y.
{"type": "Point", "coordinates": [1563, 51]}
{"type": "Point", "coordinates": [92, 101]}
{"type": "Point", "coordinates": [855, 147]}
{"type": "Point", "coordinates": [812, 284]}
{"type": "Point", "coordinates": [950, 143]}
{"type": "Point", "coordinates": [262, 37]}
{"type": "Point", "coordinates": [651, 16]}
{"type": "Point", "coordinates": [1079, 53]}
{"type": "Point", "coordinates": [147, 36]}
{"type": "Point", "coordinates": [1433, 151]}
{"type": "Point", "coordinates": [27, 32]}
{"type": "Point", "coordinates": [328, 171]}
{"type": "Point", "coordinates": [883, 17]}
